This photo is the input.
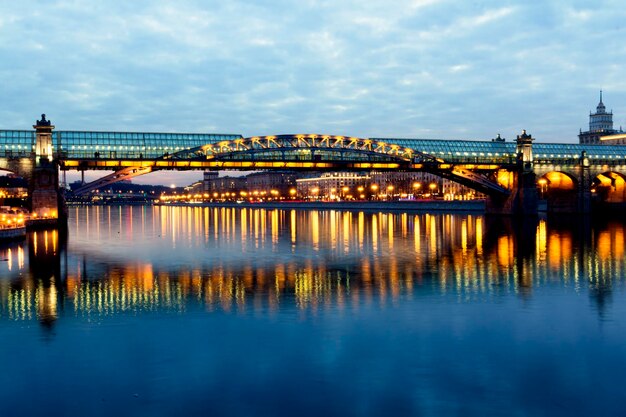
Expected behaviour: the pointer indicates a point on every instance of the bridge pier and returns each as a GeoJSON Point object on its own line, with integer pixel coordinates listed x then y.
{"type": "Point", "coordinates": [46, 202]}
{"type": "Point", "coordinates": [584, 185]}
{"type": "Point", "coordinates": [523, 199]}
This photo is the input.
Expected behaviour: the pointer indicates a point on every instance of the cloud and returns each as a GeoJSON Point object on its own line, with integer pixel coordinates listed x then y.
{"type": "Point", "coordinates": [409, 68]}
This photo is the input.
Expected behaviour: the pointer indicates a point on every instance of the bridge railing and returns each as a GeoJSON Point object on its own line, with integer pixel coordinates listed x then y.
{"type": "Point", "coordinates": [129, 145]}
{"type": "Point", "coordinates": [17, 143]}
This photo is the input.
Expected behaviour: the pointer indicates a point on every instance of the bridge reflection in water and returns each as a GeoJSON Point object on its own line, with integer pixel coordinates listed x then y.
{"type": "Point", "coordinates": [176, 259]}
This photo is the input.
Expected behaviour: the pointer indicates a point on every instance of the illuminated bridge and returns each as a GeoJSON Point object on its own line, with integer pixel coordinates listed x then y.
{"type": "Point", "coordinates": [513, 174]}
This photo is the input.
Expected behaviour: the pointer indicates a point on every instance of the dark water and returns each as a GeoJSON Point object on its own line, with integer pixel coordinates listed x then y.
{"type": "Point", "coordinates": [190, 311]}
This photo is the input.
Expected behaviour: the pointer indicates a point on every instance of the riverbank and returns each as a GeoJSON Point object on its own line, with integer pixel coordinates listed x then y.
{"type": "Point", "coordinates": [397, 206]}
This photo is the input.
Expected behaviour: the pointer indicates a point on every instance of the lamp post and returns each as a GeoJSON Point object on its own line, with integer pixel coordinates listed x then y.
{"type": "Point", "coordinates": [374, 188]}
{"type": "Point", "coordinates": [433, 187]}
{"type": "Point", "coordinates": [416, 187]}
{"type": "Point", "coordinates": [344, 192]}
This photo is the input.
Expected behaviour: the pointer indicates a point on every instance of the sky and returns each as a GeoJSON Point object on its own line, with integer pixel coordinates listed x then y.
{"type": "Point", "coordinates": [377, 68]}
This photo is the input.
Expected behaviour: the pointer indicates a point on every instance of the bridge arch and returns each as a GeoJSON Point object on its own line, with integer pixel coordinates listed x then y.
{"type": "Point", "coordinates": [609, 187]}
{"type": "Point", "coordinates": [559, 189]}
{"type": "Point", "coordinates": [301, 148]}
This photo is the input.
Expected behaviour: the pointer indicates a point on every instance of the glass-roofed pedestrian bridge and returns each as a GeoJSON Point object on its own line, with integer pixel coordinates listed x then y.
{"type": "Point", "coordinates": [85, 145]}
{"type": "Point", "coordinates": [115, 146]}
{"type": "Point", "coordinates": [496, 168]}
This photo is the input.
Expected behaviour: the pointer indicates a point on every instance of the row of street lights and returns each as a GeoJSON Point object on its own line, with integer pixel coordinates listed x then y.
{"type": "Point", "coordinates": [361, 192]}
{"type": "Point", "coordinates": [375, 192]}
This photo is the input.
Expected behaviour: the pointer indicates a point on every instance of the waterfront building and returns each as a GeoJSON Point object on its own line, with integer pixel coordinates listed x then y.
{"type": "Point", "coordinates": [420, 184]}
{"type": "Point", "coordinates": [381, 185]}
{"type": "Point", "coordinates": [195, 188]}
{"type": "Point", "coordinates": [276, 183]}
{"type": "Point", "coordinates": [601, 126]}
{"type": "Point", "coordinates": [215, 186]}
{"type": "Point", "coordinates": [334, 186]}
{"type": "Point", "coordinates": [13, 190]}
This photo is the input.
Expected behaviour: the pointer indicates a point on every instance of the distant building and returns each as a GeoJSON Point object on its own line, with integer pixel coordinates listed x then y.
{"type": "Point", "coordinates": [270, 183]}
{"type": "Point", "coordinates": [600, 125]}
{"type": "Point", "coordinates": [421, 183]}
{"type": "Point", "coordinates": [386, 185]}
{"type": "Point", "coordinates": [333, 185]}
{"type": "Point", "coordinates": [12, 189]}
{"type": "Point", "coordinates": [195, 188]}
{"type": "Point", "coordinates": [215, 184]}
{"type": "Point", "coordinates": [279, 181]}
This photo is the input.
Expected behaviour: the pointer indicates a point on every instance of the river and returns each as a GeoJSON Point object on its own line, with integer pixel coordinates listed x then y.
{"type": "Point", "coordinates": [241, 311]}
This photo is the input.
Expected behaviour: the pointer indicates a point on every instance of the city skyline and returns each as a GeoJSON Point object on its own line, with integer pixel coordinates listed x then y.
{"type": "Point", "coordinates": [428, 69]}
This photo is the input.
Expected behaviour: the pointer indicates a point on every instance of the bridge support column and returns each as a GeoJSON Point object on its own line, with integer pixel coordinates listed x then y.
{"type": "Point", "coordinates": [523, 199]}
{"type": "Point", "coordinates": [584, 185]}
{"type": "Point", "coordinates": [47, 205]}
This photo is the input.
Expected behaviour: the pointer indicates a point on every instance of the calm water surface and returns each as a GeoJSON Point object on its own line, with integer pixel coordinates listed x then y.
{"type": "Point", "coordinates": [216, 311]}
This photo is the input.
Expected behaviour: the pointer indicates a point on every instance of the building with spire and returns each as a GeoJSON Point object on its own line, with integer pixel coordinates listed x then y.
{"type": "Point", "coordinates": [600, 125]}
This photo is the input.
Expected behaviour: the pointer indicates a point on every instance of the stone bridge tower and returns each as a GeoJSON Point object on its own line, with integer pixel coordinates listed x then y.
{"type": "Point", "coordinates": [523, 198]}
{"type": "Point", "coordinates": [46, 202]}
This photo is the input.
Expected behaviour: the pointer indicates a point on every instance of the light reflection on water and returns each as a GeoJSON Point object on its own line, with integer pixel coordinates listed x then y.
{"type": "Point", "coordinates": [120, 259]}
{"type": "Point", "coordinates": [221, 311]}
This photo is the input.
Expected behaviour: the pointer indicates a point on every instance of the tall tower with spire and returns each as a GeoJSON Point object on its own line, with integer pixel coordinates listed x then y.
{"type": "Point", "coordinates": [600, 124]}
{"type": "Point", "coordinates": [600, 121]}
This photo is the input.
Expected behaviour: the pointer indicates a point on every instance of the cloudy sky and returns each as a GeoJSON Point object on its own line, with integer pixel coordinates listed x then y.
{"type": "Point", "coordinates": [402, 68]}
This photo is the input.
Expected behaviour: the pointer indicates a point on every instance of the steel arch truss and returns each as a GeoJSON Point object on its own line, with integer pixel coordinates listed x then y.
{"type": "Point", "coordinates": [310, 147]}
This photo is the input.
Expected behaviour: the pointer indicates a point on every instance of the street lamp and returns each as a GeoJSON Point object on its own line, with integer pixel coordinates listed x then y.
{"type": "Point", "coordinates": [390, 192]}
{"type": "Point", "coordinates": [432, 187]}
{"type": "Point", "coordinates": [416, 187]}
{"type": "Point", "coordinates": [344, 191]}
{"type": "Point", "coordinates": [374, 188]}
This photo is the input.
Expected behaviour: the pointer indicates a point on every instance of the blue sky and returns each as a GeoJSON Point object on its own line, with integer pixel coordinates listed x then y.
{"type": "Point", "coordinates": [405, 68]}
